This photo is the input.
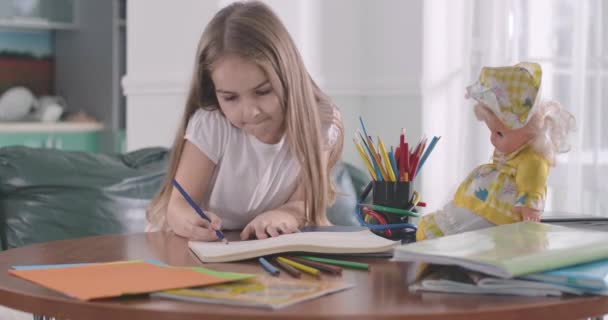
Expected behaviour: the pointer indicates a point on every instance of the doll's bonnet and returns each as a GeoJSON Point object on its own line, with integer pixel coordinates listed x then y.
{"type": "Point", "coordinates": [510, 92]}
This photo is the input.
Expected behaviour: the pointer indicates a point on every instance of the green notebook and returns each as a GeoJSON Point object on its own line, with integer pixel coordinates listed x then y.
{"type": "Point", "coordinates": [510, 250]}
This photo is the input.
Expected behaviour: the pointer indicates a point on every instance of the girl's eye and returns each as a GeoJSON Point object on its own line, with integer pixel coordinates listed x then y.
{"type": "Point", "coordinates": [229, 98]}
{"type": "Point", "coordinates": [263, 92]}
{"type": "Point", "coordinates": [499, 134]}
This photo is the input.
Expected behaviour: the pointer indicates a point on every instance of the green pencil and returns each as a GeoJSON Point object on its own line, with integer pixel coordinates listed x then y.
{"type": "Point", "coordinates": [391, 210]}
{"type": "Point", "coordinates": [341, 263]}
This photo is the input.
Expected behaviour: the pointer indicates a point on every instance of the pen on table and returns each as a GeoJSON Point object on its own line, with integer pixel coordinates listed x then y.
{"type": "Point", "coordinates": [301, 267]}
{"type": "Point", "coordinates": [318, 265]}
{"type": "Point", "coordinates": [268, 267]}
{"type": "Point", "coordinates": [198, 209]}
{"type": "Point", "coordinates": [341, 263]}
{"type": "Point", "coordinates": [289, 269]}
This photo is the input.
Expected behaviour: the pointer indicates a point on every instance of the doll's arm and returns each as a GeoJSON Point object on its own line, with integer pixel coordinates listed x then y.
{"type": "Point", "coordinates": [531, 181]}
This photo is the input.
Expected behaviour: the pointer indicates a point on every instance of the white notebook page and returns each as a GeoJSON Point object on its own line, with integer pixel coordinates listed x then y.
{"type": "Point", "coordinates": [320, 242]}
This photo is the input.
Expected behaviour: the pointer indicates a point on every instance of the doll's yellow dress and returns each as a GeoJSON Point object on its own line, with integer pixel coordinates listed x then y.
{"type": "Point", "coordinates": [492, 190]}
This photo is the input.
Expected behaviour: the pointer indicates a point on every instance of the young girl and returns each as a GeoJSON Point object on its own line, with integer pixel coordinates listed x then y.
{"type": "Point", "coordinates": [258, 138]}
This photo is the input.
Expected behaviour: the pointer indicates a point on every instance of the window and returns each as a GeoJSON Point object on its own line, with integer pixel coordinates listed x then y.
{"type": "Point", "coordinates": [569, 38]}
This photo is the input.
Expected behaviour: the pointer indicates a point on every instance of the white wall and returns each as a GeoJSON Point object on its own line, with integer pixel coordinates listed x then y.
{"type": "Point", "coordinates": [366, 54]}
{"type": "Point", "coordinates": [161, 43]}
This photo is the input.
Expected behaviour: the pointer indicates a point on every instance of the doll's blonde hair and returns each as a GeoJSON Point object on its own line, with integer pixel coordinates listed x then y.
{"type": "Point", "coordinates": [550, 127]}
{"type": "Point", "coordinates": [252, 31]}
{"type": "Point", "coordinates": [552, 130]}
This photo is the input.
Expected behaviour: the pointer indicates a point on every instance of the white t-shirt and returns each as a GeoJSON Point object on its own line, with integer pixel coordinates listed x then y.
{"type": "Point", "coordinates": [250, 176]}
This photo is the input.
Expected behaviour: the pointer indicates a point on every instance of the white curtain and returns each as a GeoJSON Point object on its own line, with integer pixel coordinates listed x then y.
{"type": "Point", "coordinates": [569, 38]}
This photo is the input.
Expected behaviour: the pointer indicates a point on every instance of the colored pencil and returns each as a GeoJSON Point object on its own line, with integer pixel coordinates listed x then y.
{"type": "Point", "coordinates": [289, 269]}
{"type": "Point", "coordinates": [317, 265]}
{"type": "Point", "coordinates": [363, 126]}
{"type": "Point", "coordinates": [402, 212]}
{"type": "Point", "coordinates": [301, 267]}
{"type": "Point", "coordinates": [387, 161]}
{"type": "Point", "coordinates": [268, 267]}
{"type": "Point", "coordinates": [391, 156]}
{"type": "Point", "coordinates": [366, 161]}
{"type": "Point", "coordinates": [370, 144]}
{"type": "Point", "coordinates": [427, 153]}
{"type": "Point", "coordinates": [372, 158]}
{"type": "Point", "coordinates": [341, 263]}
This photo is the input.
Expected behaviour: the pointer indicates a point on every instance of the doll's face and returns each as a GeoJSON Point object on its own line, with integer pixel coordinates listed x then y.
{"type": "Point", "coordinates": [504, 139]}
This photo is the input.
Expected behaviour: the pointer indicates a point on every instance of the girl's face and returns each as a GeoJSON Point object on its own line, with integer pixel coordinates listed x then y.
{"type": "Point", "coordinates": [504, 139]}
{"type": "Point", "coordinates": [248, 99]}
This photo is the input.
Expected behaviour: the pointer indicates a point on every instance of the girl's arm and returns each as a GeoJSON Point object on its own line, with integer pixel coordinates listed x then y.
{"type": "Point", "coordinates": [193, 174]}
{"type": "Point", "coordinates": [287, 218]}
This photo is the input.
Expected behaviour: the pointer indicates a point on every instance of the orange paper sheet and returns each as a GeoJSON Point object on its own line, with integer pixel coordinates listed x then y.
{"type": "Point", "coordinates": [115, 279]}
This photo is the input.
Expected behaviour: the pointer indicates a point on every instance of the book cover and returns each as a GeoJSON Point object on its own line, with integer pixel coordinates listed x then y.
{"type": "Point", "coordinates": [363, 241]}
{"type": "Point", "coordinates": [510, 250]}
{"type": "Point", "coordinates": [590, 276]}
{"type": "Point", "coordinates": [105, 280]}
{"type": "Point", "coordinates": [260, 292]}
{"type": "Point", "coordinates": [452, 279]}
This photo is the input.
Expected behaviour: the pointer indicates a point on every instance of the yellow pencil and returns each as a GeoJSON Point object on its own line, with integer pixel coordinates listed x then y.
{"type": "Point", "coordinates": [368, 164]}
{"type": "Point", "coordinates": [387, 161]}
{"type": "Point", "coordinates": [301, 267]}
{"type": "Point", "coordinates": [370, 144]}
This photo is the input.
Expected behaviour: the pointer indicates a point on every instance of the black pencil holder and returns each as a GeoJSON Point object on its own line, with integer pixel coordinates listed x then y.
{"type": "Point", "coordinates": [393, 195]}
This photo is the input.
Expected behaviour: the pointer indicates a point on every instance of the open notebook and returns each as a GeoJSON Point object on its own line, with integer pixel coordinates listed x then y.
{"type": "Point", "coordinates": [315, 242]}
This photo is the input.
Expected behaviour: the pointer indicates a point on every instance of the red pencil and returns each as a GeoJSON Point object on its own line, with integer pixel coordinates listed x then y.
{"type": "Point", "coordinates": [397, 157]}
{"type": "Point", "coordinates": [416, 158]}
{"type": "Point", "coordinates": [403, 159]}
{"type": "Point", "coordinates": [407, 164]}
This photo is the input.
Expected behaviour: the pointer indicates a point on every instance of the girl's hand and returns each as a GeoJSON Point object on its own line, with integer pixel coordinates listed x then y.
{"type": "Point", "coordinates": [189, 224]}
{"type": "Point", "coordinates": [528, 214]}
{"type": "Point", "coordinates": [270, 223]}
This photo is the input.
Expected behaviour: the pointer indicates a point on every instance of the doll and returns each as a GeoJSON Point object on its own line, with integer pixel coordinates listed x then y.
{"type": "Point", "coordinates": [526, 134]}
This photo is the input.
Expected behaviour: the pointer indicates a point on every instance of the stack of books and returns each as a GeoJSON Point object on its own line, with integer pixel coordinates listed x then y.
{"type": "Point", "coordinates": [526, 258]}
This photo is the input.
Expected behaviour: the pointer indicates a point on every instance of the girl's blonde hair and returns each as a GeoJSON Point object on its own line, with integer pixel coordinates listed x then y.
{"type": "Point", "coordinates": [550, 126]}
{"type": "Point", "coordinates": [252, 31]}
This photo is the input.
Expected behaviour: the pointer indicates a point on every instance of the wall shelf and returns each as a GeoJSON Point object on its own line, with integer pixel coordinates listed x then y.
{"type": "Point", "coordinates": [36, 24]}
{"type": "Point", "coordinates": [73, 136]}
{"type": "Point", "coordinates": [50, 126]}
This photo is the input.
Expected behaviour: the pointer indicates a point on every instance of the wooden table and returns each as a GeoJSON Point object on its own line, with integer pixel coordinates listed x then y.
{"type": "Point", "coordinates": [380, 293]}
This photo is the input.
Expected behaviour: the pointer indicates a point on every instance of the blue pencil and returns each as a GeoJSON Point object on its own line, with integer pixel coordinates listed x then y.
{"type": "Point", "coordinates": [198, 209]}
{"type": "Point", "coordinates": [426, 154]}
{"type": "Point", "coordinates": [268, 267]}
{"type": "Point", "coordinates": [391, 157]}
{"type": "Point", "coordinates": [363, 126]}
